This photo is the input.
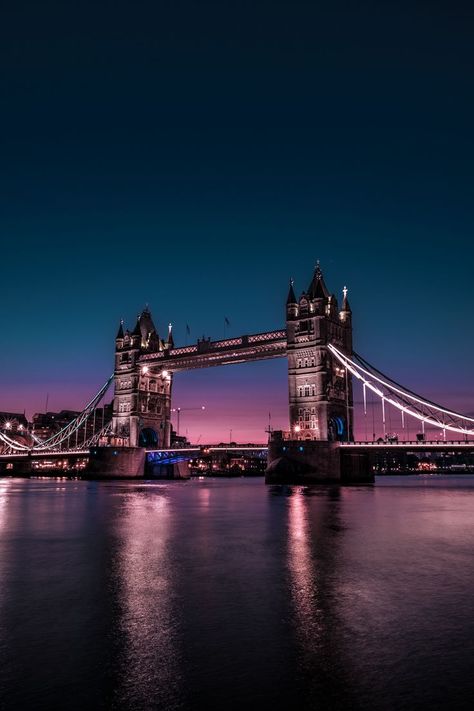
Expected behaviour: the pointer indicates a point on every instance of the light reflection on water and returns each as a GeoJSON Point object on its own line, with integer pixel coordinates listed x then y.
{"type": "Point", "coordinates": [229, 594]}
{"type": "Point", "coordinates": [148, 624]}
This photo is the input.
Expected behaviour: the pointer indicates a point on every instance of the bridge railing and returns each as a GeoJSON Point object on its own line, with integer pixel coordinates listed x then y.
{"type": "Point", "coordinates": [409, 443]}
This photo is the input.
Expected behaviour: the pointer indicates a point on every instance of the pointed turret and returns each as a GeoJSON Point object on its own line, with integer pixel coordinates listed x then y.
{"type": "Point", "coordinates": [317, 289]}
{"type": "Point", "coordinates": [137, 331]}
{"type": "Point", "coordinates": [345, 301]}
{"type": "Point", "coordinates": [120, 331]}
{"type": "Point", "coordinates": [291, 295]}
{"type": "Point", "coordinates": [170, 336]}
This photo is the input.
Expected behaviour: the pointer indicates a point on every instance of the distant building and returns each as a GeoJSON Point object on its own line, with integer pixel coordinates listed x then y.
{"type": "Point", "coordinates": [47, 424]}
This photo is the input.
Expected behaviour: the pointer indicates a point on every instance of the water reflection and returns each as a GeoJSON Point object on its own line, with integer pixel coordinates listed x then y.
{"type": "Point", "coordinates": [227, 595]}
{"type": "Point", "coordinates": [4, 485]}
{"type": "Point", "coordinates": [314, 538]}
{"type": "Point", "coordinates": [304, 576]}
{"type": "Point", "coordinates": [150, 661]}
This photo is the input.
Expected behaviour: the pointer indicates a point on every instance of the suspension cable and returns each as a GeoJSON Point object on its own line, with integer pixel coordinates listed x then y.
{"type": "Point", "coordinates": [73, 426]}
{"type": "Point", "coordinates": [360, 372]}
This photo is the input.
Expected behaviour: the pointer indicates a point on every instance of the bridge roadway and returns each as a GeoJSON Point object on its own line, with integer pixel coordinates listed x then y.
{"type": "Point", "coordinates": [411, 446]}
{"type": "Point", "coordinates": [189, 452]}
{"type": "Point", "coordinates": [175, 455]}
{"type": "Point", "coordinates": [58, 454]}
{"type": "Point", "coordinates": [161, 456]}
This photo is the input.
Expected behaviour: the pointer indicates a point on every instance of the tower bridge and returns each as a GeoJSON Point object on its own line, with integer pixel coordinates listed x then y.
{"type": "Point", "coordinates": [322, 369]}
{"type": "Point", "coordinates": [320, 396]}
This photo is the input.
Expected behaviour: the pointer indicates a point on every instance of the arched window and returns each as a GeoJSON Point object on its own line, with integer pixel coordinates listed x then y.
{"type": "Point", "coordinates": [299, 363]}
{"type": "Point", "coordinates": [305, 362]}
{"type": "Point", "coordinates": [152, 385]}
{"type": "Point", "coordinates": [306, 390]}
{"type": "Point", "coordinates": [313, 390]}
{"type": "Point", "coordinates": [300, 391]}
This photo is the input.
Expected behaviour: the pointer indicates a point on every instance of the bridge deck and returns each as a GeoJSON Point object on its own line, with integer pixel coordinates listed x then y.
{"type": "Point", "coordinates": [411, 445]}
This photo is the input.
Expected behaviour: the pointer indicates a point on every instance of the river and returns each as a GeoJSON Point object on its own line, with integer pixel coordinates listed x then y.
{"type": "Point", "coordinates": [228, 594]}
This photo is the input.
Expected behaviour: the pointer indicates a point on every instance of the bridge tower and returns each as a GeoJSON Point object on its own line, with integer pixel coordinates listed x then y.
{"type": "Point", "coordinates": [142, 399]}
{"type": "Point", "coordinates": [320, 391]}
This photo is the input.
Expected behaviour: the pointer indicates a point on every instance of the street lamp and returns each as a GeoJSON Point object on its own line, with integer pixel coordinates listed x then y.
{"type": "Point", "coordinates": [187, 409]}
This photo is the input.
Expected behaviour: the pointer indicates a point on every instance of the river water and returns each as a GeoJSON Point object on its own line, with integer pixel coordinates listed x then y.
{"type": "Point", "coordinates": [227, 594]}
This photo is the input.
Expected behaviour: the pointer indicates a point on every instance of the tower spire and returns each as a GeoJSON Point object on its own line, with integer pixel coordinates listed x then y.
{"type": "Point", "coordinates": [345, 300]}
{"type": "Point", "coordinates": [120, 330]}
{"type": "Point", "coordinates": [137, 331]}
{"type": "Point", "coordinates": [170, 336]}
{"type": "Point", "coordinates": [317, 289]}
{"type": "Point", "coordinates": [291, 294]}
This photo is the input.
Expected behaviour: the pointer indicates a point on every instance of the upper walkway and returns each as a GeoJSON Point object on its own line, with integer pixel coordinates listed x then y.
{"type": "Point", "coordinates": [207, 353]}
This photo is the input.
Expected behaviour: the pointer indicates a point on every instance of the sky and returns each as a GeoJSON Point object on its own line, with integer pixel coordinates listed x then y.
{"type": "Point", "coordinates": [196, 155]}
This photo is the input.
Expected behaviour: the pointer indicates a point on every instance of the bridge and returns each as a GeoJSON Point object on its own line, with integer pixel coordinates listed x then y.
{"type": "Point", "coordinates": [323, 370]}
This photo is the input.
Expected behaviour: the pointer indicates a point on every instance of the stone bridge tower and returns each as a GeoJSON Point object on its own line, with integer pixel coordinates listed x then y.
{"type": "Point", "coordinates": [142, 400]}
{"type": "Point", "coordinates": [320, 391]}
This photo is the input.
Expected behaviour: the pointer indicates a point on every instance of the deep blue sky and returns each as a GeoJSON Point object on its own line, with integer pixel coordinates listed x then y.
{"type": "Point", "coordinates": [194, 155]}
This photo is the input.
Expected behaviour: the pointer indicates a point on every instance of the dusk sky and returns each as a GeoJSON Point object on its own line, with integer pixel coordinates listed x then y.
{"type": "Point", "coordinates": [195, 155]}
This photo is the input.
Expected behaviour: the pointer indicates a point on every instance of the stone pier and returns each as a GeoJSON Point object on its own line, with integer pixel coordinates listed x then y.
{"type": "Point", "coordinates": [315, 462]}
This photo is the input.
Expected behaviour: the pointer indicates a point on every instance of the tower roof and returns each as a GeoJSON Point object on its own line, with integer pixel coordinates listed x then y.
{"type": "Point", "coordinates": [137, 331]}
{"type": "Point", "coordinates": [145, 327]}
{"type": "Point", "coordinates": [120, 330]}
{"type": "Point", "coordinates": [291, 294]}
{"type": "Point", "coordinates": [317, 289]}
